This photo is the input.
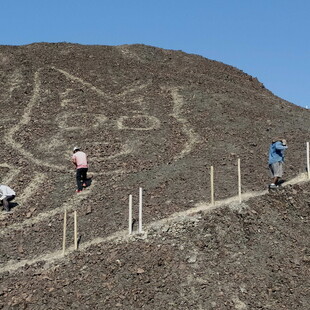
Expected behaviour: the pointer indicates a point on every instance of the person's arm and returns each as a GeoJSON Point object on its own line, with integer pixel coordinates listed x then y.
{"type": "Point", "coordinates": [73, 160]}
{"type": "Point", "coordinates": [281, 146]}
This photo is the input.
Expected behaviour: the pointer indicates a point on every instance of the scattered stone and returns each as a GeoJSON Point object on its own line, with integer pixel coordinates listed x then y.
{"type": "Point", "coordinates": [192, 259]}
{"type": "Point", "coordinates": [88, 210]}
{"type": "Point", "coordinates": [140, 271]}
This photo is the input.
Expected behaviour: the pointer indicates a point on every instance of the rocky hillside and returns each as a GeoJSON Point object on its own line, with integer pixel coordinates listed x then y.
{"type": "Point", "coordinates": [156, 119]}
{"type": "Point", "coordinates": [253, 255]}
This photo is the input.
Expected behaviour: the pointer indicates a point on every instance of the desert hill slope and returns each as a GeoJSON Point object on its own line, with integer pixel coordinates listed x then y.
{"type": "Point", "coordinates": [146, 117]}
{"type": "Point", "coordinates": [253, 255]}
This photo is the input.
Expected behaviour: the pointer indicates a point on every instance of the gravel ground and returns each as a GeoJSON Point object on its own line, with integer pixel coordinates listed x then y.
{"type": "Point", "coordinates": [156, 119]}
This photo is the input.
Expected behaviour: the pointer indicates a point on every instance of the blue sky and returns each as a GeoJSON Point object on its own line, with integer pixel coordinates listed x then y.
{"type": "Point", "coordinates": [268, 39]}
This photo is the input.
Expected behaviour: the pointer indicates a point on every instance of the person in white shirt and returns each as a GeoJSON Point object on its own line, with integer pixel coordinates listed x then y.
{"type": "Point", "coordinates": [6, 195]}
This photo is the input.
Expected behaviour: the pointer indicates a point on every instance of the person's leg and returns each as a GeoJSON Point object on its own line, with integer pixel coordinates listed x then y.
{"type": "Point", "coordinates": [78, 180]}
{"type": "Point", "coordinates": [278, 172]}
{"type": "Point", "coordinates": [273, 174]}
{"type": "Point", "coordinates": [6, 204]}
{"type": "Point", "coordinates": [8, 199]}
{"type": "Point", "coordinates": [84, 176]}
{"type": "Point", "coordinates": [275, 180]}
{"type": "Point", "coordinates": [271, 171]}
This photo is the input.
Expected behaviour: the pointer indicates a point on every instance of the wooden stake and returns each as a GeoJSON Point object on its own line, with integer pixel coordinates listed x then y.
{"type": "Point", "coordinates": [308, 160]}
{"type": "Point", "coordinates": [140, 210]}
{"type": "Point", "coordinates": [130, 215]}
{"type": "Point", "coordinates": [212, 185]}
{"type": "Point", "coordinates": [239, 179]}
{"type": "Point", "coordinates": [75, 231]}
{"type": "Point", "coordinates": [64, 234]}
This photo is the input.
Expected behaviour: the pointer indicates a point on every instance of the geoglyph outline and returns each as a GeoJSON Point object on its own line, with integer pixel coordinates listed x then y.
{"type": "Point", "coordinates": [178, 101]}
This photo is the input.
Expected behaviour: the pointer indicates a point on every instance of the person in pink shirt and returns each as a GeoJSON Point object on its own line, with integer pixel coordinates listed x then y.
{"type": "Point", "coordinates": [79, 159]}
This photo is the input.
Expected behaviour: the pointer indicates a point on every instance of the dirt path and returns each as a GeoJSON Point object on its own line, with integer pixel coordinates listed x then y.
{"type": "Point", "coordinates": [192, 136]}
{"type": "Point", "coordinates": [35, 183]}
{"type": "Point", "coordinates": [122, 236]}
{"type": "Point", "coordinates": [73, 202]}
{"type": "Point", "coordinates": [25, 119]}
{"type": "Point", "coordinates": [13, 172]}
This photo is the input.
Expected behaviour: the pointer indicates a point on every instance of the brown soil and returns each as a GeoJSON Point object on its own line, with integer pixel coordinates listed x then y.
{"type": "Point", "coordinates": [157, 119]}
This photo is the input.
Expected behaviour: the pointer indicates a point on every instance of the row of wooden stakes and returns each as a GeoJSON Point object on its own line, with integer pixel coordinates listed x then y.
{"type": "Point", "coordinates": [65, 232]}
{"type": "Point", "coordinates": [130, 221]}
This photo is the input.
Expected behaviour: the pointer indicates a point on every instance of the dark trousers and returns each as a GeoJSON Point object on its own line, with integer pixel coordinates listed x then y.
{"type": "Point", "coordinates": [81, 176]}
{"type": "Point", "coordinates": [6, 203]}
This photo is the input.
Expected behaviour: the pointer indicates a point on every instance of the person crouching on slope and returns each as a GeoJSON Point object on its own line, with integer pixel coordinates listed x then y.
{"type": "Point", "coordinates": [79, 159]}
{"type": "Point", "coordinates": [6, 195]}
{"type": "Point", "coordinates": [276, 160]}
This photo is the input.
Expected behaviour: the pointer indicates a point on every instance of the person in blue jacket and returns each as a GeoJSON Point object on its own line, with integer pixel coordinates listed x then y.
{"type": "Point", "coordinates": [276, 160]}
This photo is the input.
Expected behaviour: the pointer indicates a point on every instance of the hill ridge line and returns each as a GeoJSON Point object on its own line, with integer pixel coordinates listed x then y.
{"type": "Point", "coordinates": [122, 236]}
